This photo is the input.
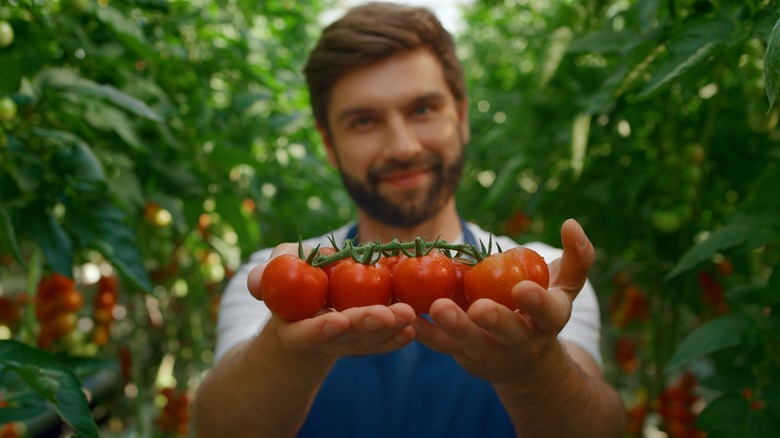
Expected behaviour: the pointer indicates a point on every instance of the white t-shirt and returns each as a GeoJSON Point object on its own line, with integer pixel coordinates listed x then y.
{"type": "Point", "coordinates": [241, 316]}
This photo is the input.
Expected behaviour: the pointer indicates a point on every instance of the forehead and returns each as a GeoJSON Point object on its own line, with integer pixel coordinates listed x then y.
{"type": "Point", "coordinates": [395, 80]}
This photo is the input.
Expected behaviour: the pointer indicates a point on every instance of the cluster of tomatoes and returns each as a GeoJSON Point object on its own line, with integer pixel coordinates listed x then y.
{"type": "Point", "coordinates": [104, 302]}
{"type": "Point", "coordinates": [676, 406]}
{"type": "Point", "coordinates": [175, 415]}
{"type": "Point", "coordinates": [56, 304]}
{"type": "Point", "coordinates": [417, 273]}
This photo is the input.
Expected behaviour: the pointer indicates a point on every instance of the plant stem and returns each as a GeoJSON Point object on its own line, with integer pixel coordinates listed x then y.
{"type": "Point", "coordinates": [29, 323]}
{"type": "Point", "coordinates": [417, 247]}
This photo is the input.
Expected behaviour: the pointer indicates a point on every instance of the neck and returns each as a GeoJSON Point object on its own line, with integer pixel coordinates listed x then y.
{"type": "Point", "coordinates": [444, 225]}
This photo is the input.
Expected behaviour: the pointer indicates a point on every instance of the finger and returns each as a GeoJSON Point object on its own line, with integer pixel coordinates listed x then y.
{"type": "Point", "coordinates": [455, 323]}
{"type": "Point", "coordinates": [548, 310]}
{"type": "Point", "coordinates": [570, 272]}
{"type": "Point", "coordinates": [253, 280]}
{"type": "Point", "coordinates": [289, 248]}
{"type": "Point", "coordinates": [311, 333]}
{"type": "Point", "coordinates": [506, 326]}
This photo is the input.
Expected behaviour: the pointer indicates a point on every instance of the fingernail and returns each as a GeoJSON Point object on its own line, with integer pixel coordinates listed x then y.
{"type": "Point", "coordinates": [583, 242]}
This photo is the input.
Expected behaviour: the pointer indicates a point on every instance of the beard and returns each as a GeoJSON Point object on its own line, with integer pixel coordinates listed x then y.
{"type": "Point", "coordinates": [413, 207]}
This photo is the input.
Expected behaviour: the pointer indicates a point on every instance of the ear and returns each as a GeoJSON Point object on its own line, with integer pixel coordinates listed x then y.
{"type": "Point", "coordinates": [463, 120]}
{"type": "Point", "coordinates": [326, 140]}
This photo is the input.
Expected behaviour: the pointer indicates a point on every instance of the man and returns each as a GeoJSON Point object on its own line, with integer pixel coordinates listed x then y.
{"type": "Point", "coordinates": [389, 100]}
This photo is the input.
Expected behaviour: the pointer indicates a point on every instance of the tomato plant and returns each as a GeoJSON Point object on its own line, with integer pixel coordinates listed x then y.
{"type": "Point", "coordinates": [496, 276]}
{"type": "Point", "coordinates": [292, 288]}
{"type": "Point", "coordinates": [355, 284]}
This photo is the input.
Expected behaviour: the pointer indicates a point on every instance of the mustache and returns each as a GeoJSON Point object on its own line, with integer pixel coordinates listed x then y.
{"type": "Point", "coordinates": [426, 161]}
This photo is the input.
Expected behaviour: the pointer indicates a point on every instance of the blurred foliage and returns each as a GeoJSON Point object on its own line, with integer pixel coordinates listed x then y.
{"type": "Point", "coordinates": [653, 124]}
{"type": "Point", "coordinates": [147, 147]}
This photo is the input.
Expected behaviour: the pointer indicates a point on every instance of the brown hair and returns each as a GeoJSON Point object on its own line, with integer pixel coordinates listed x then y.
{"type": "Point", "coordinates": [373, 32]}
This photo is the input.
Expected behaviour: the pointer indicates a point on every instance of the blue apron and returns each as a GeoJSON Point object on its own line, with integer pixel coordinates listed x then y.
{"type": "Point", "coordinates": [411, 392]}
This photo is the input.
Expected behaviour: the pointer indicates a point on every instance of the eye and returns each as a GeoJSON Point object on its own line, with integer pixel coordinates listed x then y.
{"type": "Point", "coordinates": [361, 122]}
{"type": "Point", "coordinates": [421, 110]}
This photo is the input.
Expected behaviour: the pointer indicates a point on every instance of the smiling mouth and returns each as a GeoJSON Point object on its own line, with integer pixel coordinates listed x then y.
{"type": "Point", "coordinates": [405, 179]}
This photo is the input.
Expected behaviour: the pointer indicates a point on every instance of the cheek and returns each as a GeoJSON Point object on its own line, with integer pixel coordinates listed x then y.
{"type": "Point", "coordinates": [354, 159]}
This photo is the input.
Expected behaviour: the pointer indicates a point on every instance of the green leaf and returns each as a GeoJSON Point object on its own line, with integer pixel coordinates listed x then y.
{"type": "Point", "coordinates": [127, 31]}
{"type": "Point", "coordinates": [53, 381]}
{"type": "Point", "coordinates": [104, 227]}
{"type": "Point", "coordinates": [730, 380]}
{"type": "Point", "coordinates": [749, 231]}
{"type": "Point", "coordinates": [10, 415]}
{"type": "Point", "coordinates": [119, 99]}
{"type": "Point", "coordinates": [689, 50]}
{"type": "Point", "coordinates": [772, 65]}
{"type": "Point", "coordinates": [8, 240]}
{"type": "Point", "coordinates": [714, 335]}
{"type": "Point", "coordinates": [57, 246]}
{"type": "Point", "coordinates": [69, 81]}
{"type": "Point", "coordinates": [754, 293]}
{"type": "Point", "coordinates": [124, 184]}
{"type": "Point", "coordinates": [503, 184]}
{"type": "Point", "coordinates": [81, 163]}
{"type": "Point", "coordinates": [731, 416]}
{"type": "Point", "coordinates": [674, 67]}
{"type": "Point", "coordinates": [111, 119]}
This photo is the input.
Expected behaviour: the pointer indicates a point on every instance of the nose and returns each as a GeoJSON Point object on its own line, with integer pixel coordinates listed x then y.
{"type": "Point", "coordinates": [401, 142]}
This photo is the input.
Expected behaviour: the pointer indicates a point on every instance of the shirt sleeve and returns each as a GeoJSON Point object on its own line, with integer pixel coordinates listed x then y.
{"type": "Point", "coordinates": [240, 315]}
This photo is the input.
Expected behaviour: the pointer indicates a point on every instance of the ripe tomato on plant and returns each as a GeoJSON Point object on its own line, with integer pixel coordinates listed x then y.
{"type": "Point", "coordinates": [293, 289]}
{"type": "Point", "coordinates": [419, 281]}
{"type": "Point", "coordinates": [495, 276]}
{"type": "Point", "coordinates": [354, 284]}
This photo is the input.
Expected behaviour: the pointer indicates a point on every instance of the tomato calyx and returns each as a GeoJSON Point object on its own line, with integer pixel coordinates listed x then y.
{"type": "Point", "coordinates": [369, 253]}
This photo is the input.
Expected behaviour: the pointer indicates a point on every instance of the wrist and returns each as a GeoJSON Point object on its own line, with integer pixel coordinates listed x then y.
{"type": "Point", "coordinates": [551, 368]}
{"type": "Point", "coordinates": [266, 355]}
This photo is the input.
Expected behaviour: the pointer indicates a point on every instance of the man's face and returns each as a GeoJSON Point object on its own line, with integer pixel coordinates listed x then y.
{"type": "Point", "coordinates": [397, 137]}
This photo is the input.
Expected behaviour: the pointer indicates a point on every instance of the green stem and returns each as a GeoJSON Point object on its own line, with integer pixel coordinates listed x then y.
{"type": "Point", "coordinates": [138, 361]}
{"type": "Point", "coordinates": [417, 248]}
{"type": "Point", "coordinates": [29, 323]}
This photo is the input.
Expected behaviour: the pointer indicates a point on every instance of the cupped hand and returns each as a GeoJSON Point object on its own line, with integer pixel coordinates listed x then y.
{"type": "Point", "coordinates": [496, 343]}
{"type": "Point", "coordinates": [355, 331]}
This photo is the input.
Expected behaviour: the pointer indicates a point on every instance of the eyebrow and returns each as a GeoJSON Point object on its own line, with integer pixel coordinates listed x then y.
{"type": "Point", "coordinates": [347, 113]}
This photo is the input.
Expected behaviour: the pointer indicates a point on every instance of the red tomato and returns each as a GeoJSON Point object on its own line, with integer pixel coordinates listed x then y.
{"type": "Point", "coordinates": [70, 300]}
{"type": "Point", "coordinates": [419, 281]}
{"type": "Point", "coordinates": [534, 265]}
{"type": "Point", "coordinates": [329, 250]}
{"type": "Point", "coordinates": [293, 289]}
{"type": "Point", "coordinates": [354, 284]}
{"type": "Point", "coordinates": [391, 262]}
{"type": "Point", "coordinates": [495, 276]}
{"type": "Point", "coordinates": [459, 295]}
